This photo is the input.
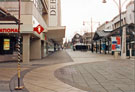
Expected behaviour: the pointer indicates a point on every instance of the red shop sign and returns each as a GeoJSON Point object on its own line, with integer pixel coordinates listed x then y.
{"type": "Point", "coordinates": [39, 29]}
{"type": "Point", "coordinates": [8, 30]}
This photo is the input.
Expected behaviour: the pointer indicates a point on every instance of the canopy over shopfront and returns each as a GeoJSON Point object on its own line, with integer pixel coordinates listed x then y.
{"type": "Point", "coordinates": [100, 35]}
{"type": "Point", "coordinates": [5, 16]}
{"type": "Point", "coordinates": [56, 34]}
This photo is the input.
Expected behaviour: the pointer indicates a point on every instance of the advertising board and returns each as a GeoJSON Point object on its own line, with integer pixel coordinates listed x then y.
{"type": "Point", "coordinates": [116, 43]}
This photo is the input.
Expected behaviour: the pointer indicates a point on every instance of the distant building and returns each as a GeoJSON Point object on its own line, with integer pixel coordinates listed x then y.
{"type": "Point", "coordinates": [87, 37]}
{"type": "Point", "coordinates": [82, 42]}
{"type": "Point", "coordinates": [77, 39]}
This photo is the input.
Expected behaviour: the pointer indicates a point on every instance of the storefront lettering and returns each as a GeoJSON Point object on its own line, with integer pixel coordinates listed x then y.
{"type": "Point", "coordinates": [8, 30]}
{"type": "Point", "coordinates": [52, 1]}
{"type": "Point", "coordinates": [52, 12]}
{"type": "Point", "coordinates": [53, 7]}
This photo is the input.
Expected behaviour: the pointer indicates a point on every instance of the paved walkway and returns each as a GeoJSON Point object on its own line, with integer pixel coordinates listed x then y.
{"type": "Point", "coordinates": [89, 72]}
{"type": "Point", "coordinates": [99, 76]}
{"type": "Point", "coordinates": [5, 58]}
{"type": "Point", "coordinates": [68, 71]}
{"type": "Point", "coordinates": [8, 70]}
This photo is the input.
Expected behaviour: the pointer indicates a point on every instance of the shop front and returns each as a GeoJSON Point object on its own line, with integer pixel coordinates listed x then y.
{"type": "Point", "coordinates": [32, 42]}
{"type": "Point", "coordinates": [8, 40]}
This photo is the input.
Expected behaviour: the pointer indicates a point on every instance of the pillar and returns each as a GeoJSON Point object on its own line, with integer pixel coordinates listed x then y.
{"type": "Point", "coordinates": [26, 49]}
{"type": "Point", "coordinates": [130, 52]}
{"type": "Point", "coordinates": [42, 49]}
{"type": "Point", "coordinates": [100, 47]}
{"type": "Point", "coordinates": [105, 46]}
{"type": "Point", "coordinates": [54, 47]}
{"type": "Point", "coordinates": [46, 47]}
{"type": "Point", "coordinates": [92, 47]}
{"type": "Point", "coordinates": [35, 49]}
{"type": "Point", "coordinates": [96, 46]}
{"type": "Point", "coordinates": [123, 49]}
{"type": "Point", "coordinates": [108, 46]}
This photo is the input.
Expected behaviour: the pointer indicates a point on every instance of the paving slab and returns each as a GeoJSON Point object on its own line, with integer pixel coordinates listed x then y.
{"type": "Point", "coordinates": [102, 74]}
{"type": "Point", "coordinates": [48, 81]}
{"type": "Point", "coordinates": [69, 71]}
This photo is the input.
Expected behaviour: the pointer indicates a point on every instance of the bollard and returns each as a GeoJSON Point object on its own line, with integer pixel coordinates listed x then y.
{"type": "Point", "coordinates": [116, 53]}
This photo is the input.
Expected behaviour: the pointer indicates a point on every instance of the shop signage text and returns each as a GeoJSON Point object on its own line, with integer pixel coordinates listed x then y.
{"type": "Point", "coordinates": [8, 30]}
{"type": "Point", "coordinates": [53, 7]}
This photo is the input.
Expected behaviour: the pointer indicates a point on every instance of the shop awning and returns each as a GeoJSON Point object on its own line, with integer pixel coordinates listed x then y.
{"type": "Point", "coordinates": [101, 34]}
{"type": "Point", "coordinates": [56, 33]}
{"type": "Point", "coordinates": [5, 16]}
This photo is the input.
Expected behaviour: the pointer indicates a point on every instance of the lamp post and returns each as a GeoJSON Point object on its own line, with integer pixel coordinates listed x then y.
{"type": "Point", "coordinates": [19, 87]}
{"type": "Point", "coordinates": [122, 31]}
{"type": "Point", "coordinates": [134, 40]}
{"type": "Point", "coordinates": [91, 23]}
{"type": "Point", "coordinates": [119, 7]}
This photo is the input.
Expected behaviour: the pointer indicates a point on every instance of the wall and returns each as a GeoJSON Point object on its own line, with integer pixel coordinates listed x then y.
{"type": "Point", "coordinates": [130, 13]}
{"type": "Point", "coordinates": [53, 13]}
{"type": "Point", "coordinates": [29, 14]}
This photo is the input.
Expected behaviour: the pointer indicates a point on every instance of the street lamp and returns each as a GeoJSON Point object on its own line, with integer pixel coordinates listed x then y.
{"type": "Point", "coordinates": [119, 7]}
{"type": "Point", "coordinates": [91, 22]}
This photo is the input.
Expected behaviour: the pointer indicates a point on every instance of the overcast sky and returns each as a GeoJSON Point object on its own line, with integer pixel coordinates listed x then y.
{"type": "Point", "coordinates": [74, 12]}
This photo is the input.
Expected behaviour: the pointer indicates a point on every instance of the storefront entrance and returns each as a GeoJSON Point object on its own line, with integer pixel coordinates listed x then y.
{"type": "Point", "coordinates": [8, 44]}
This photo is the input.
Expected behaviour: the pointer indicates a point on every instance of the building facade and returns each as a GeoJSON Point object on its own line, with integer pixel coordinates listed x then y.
{"type": "Point", "coordinates": [34, 13]}
{"type": "Point", "coordinates": [127, 33]}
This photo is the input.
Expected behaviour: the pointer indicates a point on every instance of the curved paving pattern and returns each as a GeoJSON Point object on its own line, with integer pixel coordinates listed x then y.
{"type": "Point", "coordinates": [93, 73]}
{"type": "Point", "coordinates": [108, 76]}
{"type": "Point", "coordinates": [43, 79]}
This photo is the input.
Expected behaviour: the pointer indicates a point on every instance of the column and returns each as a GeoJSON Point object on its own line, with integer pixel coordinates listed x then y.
{"type": "Point", "coordinates": [54, 47]}
{"type": "Point", "coordinates": [96, 46]}
{"type": "Point", "coordinates": [108, 46]}
{"type": "Point", "coordinates": [42, 49]}
{"type": "Point", "coordinates": [92, 47]}
{"type": "Point", "coordinates": [123, 49]}
{"type": "Point", "coordinates": [130, 50]}
{"type": "Point", "coordinates": [46, 47]}
{"type": "Point", "coordinates": [100, 47]}
{"type": "Point", "coordinates": [35, 49]}
{"type": "Point", "coordinates": [105, 46]}
{"type": "Point", "coordinates": [26, 49]}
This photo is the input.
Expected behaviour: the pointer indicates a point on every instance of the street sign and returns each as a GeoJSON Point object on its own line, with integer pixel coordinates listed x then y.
{"type": "Point", "coordinates": [39, 29]}
{"type": "Point", "coordinates": [116, 43]}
